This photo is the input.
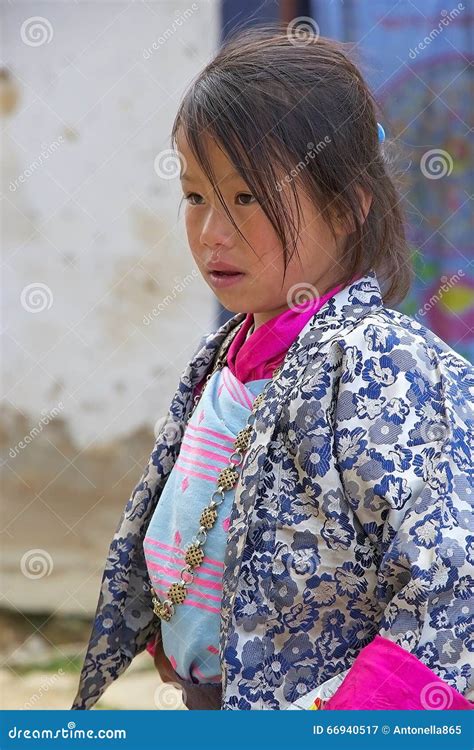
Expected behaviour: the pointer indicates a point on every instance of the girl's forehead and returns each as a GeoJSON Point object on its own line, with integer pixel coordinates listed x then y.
{"type": "Point", "coordinates": [206, 141]}
{"type": "Point", "coordinates": [192, 168]}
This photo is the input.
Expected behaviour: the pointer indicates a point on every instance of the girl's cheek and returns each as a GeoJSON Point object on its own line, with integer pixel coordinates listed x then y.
{"type": "Point", "coordinates": [188, 219]}
{"type": "Point", "coordinates": [193, 231]}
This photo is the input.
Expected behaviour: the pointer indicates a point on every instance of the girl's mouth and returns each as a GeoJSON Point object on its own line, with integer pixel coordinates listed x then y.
{"type": "Point", "coordinates": [220, 279]}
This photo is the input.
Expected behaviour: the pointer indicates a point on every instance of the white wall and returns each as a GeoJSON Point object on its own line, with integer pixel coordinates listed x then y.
{"type": "Point", "coordinates": [92, 244]}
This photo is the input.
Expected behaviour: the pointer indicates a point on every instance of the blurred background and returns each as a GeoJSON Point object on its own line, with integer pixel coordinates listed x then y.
{"type": "Point", "coordinates": [102, 303]}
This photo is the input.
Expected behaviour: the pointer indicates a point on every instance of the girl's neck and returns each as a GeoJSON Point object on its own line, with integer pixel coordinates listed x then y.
{"type": "Point", "coordinates": [324, 284]}
{"type": "Point", "coordinates": [260, 318]}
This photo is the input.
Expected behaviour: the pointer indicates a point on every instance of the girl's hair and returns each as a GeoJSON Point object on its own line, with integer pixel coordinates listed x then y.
{"type": "Point", "coordinates": [291, 112]}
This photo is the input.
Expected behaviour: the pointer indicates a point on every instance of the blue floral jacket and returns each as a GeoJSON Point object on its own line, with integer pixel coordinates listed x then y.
{"type": "Point", "coordinates": [352, 515]}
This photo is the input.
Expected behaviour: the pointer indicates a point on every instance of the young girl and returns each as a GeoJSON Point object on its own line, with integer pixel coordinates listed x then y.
{"type": "Point", "coordinates": [306, 511]}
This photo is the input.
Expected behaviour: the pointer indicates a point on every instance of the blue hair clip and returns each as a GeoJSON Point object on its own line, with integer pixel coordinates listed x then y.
{"type": "Point", "coordinates": [381, 133]}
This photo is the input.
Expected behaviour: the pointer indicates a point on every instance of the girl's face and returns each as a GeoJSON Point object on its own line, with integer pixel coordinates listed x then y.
{"type": "Point", "coordinates": [213, 239]}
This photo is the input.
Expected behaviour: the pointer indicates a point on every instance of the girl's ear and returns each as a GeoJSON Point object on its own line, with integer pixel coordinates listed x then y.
{"type": "Point", "coordinates": [345, 223]}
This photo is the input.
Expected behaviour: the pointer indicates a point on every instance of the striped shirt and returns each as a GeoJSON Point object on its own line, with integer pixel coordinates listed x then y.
{"type": "Point", "coordinates": [190, 639]}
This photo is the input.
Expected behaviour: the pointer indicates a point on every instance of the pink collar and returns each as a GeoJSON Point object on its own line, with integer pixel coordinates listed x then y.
{"type": "Point", "coordinates": [265, 349]}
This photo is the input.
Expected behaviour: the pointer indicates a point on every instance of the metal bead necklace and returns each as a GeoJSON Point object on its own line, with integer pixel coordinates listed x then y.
{"type": "Point", "coordinates": [226, 480]}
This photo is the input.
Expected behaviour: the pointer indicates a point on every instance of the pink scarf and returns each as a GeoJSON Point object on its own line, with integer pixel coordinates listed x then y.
{"type": "Point", "coordinates": [265, 349]}
{"type": "Point", "coordinates": [385, 676]}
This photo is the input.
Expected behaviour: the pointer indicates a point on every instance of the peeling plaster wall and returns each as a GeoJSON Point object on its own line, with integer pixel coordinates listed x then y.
{"type": "Point", "coordinates": [93, 244]}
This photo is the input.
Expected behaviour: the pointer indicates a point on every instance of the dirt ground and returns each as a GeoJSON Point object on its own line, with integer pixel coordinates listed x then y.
{"type": "Point", "coordinates": [40, 666]}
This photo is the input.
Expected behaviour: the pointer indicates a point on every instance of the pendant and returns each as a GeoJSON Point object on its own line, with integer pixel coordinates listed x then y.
{"type": "Point", "coordinates": [164, 610]}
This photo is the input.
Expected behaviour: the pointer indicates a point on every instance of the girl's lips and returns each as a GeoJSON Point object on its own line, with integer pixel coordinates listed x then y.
{"type": "Point", "coordinates": [220, 279]}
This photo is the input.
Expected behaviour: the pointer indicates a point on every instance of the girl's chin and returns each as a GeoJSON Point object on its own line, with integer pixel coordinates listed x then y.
{"type": "Point", "coordinates": [232, 306]}
{"type": "Point", "coordinates": [235, 303]}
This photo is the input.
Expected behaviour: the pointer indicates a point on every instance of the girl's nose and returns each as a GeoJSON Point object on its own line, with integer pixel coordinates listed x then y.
{"type": "Point", "coordinates": [217, 228]}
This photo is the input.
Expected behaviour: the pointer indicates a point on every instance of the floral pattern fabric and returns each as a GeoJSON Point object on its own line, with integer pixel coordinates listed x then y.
{"type": "Point", "coordinates": [352, 516]}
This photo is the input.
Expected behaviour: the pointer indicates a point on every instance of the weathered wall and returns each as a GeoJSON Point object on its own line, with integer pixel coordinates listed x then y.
{"type": "Point", "coordinates": [93, 245]}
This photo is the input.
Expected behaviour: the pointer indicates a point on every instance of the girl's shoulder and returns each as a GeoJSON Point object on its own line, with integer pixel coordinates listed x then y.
{"type": "Point", "coordinates": [392, 333]}
{"type": "Point", "coordinates": [390, 354]}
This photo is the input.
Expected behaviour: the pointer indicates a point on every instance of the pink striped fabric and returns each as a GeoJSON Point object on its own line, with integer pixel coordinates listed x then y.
{"type": "Point", "coordinates": [192, 637]}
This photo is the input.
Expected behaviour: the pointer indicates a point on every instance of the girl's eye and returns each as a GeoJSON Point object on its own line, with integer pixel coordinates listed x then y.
{"type": "Point", "coordinates": [245, 196]}
{"type": "Point", "coordinates": [195, 199]}
{"type": "Point", "coordinates": [190, 197]}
